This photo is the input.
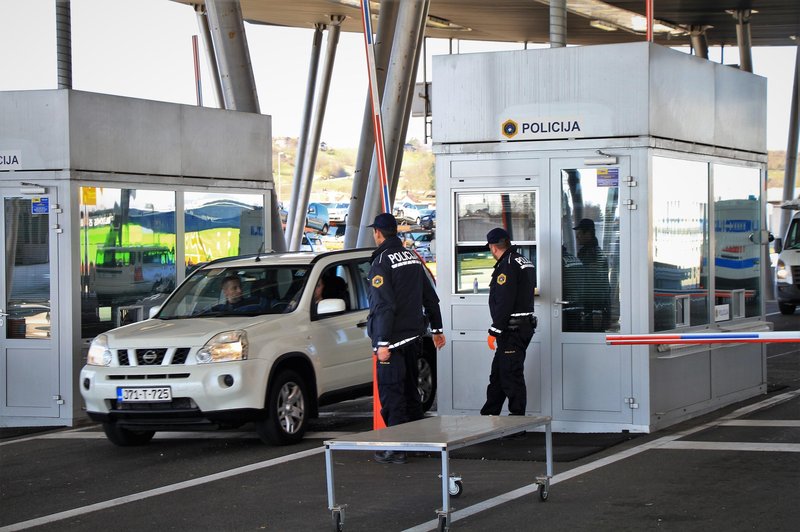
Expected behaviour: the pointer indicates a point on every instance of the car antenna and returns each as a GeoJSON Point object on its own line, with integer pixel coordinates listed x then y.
{"type": "Point", "coordinates": [260, 250]}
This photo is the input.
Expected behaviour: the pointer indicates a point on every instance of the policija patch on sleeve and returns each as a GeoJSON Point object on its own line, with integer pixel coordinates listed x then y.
{"type": "Point", "coordinates": [501, 279]}
{"type": "Point", "coordinates": [377, 281]}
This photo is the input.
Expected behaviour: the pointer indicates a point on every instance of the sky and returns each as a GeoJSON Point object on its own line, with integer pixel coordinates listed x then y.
{"type": "Point", "coordinates": [143, 49]}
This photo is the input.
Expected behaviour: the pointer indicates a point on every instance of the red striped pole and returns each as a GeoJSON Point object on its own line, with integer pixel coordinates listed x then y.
{"type": "Point", "coordinates": [705, 338]}
{"type": "Point", "coordinates": [377, 126]}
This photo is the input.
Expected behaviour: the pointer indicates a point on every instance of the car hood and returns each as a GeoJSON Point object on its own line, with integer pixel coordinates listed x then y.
{"type": "Point", "coordinates": [187, 332]}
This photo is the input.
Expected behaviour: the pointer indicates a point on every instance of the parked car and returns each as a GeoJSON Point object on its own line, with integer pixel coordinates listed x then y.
{"type": "Point", "coordinates": [428, 219]}
{"type": "Point", "coordinates": [273, 358]}
{"type": "Point", "coordinates": [337, 212]}
{"type": "Point", "coordinates": [126, 271]}
{"type": "Point", "coordinates": [317, 217]}
{"type": "Point", "coordinates": [409, 212]}
{"type": "Point", "coordinates": [422, 243]}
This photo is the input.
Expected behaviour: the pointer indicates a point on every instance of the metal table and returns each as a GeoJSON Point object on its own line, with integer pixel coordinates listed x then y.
{"type": "Point", "coordinates": [437, 434]}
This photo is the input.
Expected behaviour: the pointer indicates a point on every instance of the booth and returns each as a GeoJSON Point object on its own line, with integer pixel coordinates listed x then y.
{"type": "Point", "coordinates": [631, 175]}
{"type": "Point", "coordinates": [106, 203]}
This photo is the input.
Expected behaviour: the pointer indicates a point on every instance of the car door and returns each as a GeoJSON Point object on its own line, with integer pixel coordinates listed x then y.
{"type": "Point", "coordinates": [341, 338]}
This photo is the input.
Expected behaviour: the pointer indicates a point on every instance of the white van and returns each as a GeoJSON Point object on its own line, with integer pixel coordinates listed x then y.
{"type": "Point", "coordinates": [787, 270]}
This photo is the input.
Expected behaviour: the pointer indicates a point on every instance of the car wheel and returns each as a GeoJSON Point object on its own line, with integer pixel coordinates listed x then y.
{"type": "Point", "coordinates": [287, 409]}
{"type": "Point", "coordinates": [324, 229]}
{"type": "Point", "coordinates": [426, 380]}
{"type": "Point", "coordinates": [786, 308]}
{"type": "Point", "coordinates": [124, 437]}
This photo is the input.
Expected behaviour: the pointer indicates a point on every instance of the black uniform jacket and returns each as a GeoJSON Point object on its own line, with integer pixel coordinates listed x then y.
{"type": "Point", "coordinates": [511, 290]}
{"type": "Point", "coordinates": [399, 290]}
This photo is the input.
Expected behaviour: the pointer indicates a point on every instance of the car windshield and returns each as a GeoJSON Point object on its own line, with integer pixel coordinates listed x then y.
{"type": "Point", "coordinates": [227, 291]}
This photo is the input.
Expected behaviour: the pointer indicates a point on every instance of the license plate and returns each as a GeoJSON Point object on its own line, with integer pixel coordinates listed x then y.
{"type": "Point", "coordinates": [154, 394]}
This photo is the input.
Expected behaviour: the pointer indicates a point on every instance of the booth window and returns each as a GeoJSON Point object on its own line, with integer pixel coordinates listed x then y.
{"type": "Point", "coordinates": [590, 249]}
{"type": "Point", "coordinates": [737, 248]}
{"type": "Point", "coordinates": [680, 243]}
{"type": "Point", "coordinates": [27, 267]}
{"type": "Point", "coordinates": [221, 225]}
{"type": "Point", "coordinates": [476, 214]}
{"type": "Point", "coordinates": [127, 239]}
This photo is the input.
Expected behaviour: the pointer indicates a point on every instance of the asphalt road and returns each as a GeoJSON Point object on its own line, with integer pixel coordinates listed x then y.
{"type": "Point", "coordinates": [734, 469]}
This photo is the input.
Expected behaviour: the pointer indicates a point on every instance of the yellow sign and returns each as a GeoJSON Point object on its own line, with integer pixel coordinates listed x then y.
{"type": "Point", "coordinates": [377, 281]}
{"type": "Point", "coordinates": [501, 279]}
{"type": "Point", "coordinates": [89, 195]}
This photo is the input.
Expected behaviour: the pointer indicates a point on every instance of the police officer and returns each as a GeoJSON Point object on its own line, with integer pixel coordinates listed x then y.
{"type": "Point", "coordinates": [399, 290]}
{"type": "Point", "coordinates": [511, 306]}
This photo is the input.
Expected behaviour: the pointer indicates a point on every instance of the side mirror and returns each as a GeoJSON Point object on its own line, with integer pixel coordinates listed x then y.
{"type": "Point", "coordinates": [153, 311]}
{"type": "Point", "coordinates": [778, 245]}
{"type": "Point", "coordinates": [330, 306]}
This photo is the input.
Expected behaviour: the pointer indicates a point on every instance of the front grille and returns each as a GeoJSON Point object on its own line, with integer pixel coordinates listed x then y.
{"type": "Point", "coordinates": [796, 275]}
{"type": "Point", "coordinates": [180, 355]}
{"type": "Point", "coordinates": [154, 376]}
{"type": "Point", "coordinates": [154, 357]}
{"type": "Point", "coordinates": [150, 357]}
{"type": "Point", "coordinates": [179, 403]}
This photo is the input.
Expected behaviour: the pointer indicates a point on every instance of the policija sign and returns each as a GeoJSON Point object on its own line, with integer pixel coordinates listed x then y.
{"type": "Point", "coordinates": [548, 128]}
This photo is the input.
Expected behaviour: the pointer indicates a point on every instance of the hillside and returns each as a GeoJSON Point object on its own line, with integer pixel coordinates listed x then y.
{"type": "Point", "coordinates": [333, 179]}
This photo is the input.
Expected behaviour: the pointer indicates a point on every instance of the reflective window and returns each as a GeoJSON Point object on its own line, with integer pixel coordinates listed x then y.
{"type": "Point", "coordinates": [737, 253]}
{"type": "Point", "coordinates": [222, 225]}
{"type": "Point", "coordinates": [680, 243]}
{"type": "Point", "coordinates": [476, 214]}
{"type": "Point", "coordinates": [590, 249]}
{"type": "Point", "coordinates": [251, 291]}
{"type": "Point", "coordinates": [27, 267]}
{"type": "Point", "coordinates": [127, 239]}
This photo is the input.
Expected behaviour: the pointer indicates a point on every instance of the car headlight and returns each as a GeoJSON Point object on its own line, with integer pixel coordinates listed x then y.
{"type": "Point", "coordinates": [224, 347]}
{"type": "Point", "coordinates": [782, 273]}
{"type": "Point", "coordinates": [99, 355]}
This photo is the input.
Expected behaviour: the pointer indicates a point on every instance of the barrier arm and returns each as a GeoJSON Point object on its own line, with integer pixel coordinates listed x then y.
{"type": "Point", "coordinates": [705, 338]}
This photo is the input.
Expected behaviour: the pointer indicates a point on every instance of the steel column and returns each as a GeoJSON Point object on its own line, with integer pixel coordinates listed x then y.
{"type": "Point", "coordinates": [410, 19]}
{"type": "Point", "coordinates": [790, 172]}
{"type": "Point", "coordinates": [233, 57]}
{"type": "Point", "coordinates": [302, 140]}
{"type": "Point", "coordinates": [387, 18]}
{"type": "Point", "coordinates": [742, 17]}
{"type": "Point", "coordinates": [64, 44]}
{"type": "Point", "coordinates": [395, 164]}
{"type": "Point", "coordinates": [699, 40]}
{"type": "Point", "coordinates": [211, 60]}
{"type": "Point", "coordinates": [310, 157]}
{"type": "Point", "coordinates": [558, 23]}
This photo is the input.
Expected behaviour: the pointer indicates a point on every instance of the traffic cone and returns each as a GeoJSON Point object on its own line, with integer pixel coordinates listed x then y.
{"type": "Point", "coordinates": [377, 419]}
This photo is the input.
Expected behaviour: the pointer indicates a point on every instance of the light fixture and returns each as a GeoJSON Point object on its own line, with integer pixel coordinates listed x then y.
{"type": "Point", "coordinates": [432, 21]}
{"type": "Point", "coordinates": [600, 25]}
{"type": "Point", "coordinates": [623, 19]}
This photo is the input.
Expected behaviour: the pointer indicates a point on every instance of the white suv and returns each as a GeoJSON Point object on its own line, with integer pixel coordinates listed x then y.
{"type": "Point", "coordinates": [271, 357]}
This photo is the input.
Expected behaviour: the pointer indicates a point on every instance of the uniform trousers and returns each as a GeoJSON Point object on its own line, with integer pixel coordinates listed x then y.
{"type": "Point", "coordinates": [397, 384]}
{"type": "Point", "coordinates": [507, 378]}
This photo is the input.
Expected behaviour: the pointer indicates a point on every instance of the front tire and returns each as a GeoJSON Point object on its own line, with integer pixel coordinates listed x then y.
{"type": "Point", "coordinates": [287, 410]}
{"type": "Point", "coordinates": [786, 308]}
{"type": "Point", "coordinates": [124, 437]}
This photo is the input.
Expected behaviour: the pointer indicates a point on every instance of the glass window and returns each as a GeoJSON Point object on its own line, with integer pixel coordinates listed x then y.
{"type": "Point", "coordinates": [477, 213]}
{"type": "Point", "coordinates": [680, 243]}
{"type": "Point", "coordinates": [222, 225]}
{"type": "Point", "coordinates": [226, 291]}
{"type": "Point", "coordinates": [127, 255]}
{"type": "Point", "coordinates": [27, 267]}
{"type": "Point", "coordinates": [737, 253]}
{"type": "Point", "coordinates": [590, 248]}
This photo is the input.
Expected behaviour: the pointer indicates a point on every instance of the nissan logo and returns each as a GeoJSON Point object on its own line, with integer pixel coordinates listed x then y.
{"type": "Point", "coordinates": [149, 357]}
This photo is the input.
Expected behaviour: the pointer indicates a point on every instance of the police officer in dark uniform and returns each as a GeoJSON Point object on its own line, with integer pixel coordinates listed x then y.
{"type": "Point", "coordinates": [511, 305]}
{"type": "Point", "coordinates": [399, 290]}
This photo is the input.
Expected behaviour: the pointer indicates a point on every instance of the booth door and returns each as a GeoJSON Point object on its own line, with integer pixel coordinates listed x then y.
{"type": "Point", "coordinates": [29, 362]}
{"type": "Point", "coordinates": [592, 381]}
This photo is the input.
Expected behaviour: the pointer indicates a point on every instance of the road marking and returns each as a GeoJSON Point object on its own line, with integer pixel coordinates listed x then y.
{"type": "Point", "coordinates": [104, 505]}
{"type": "Point", "coordinates": [732, 446]}
{"type": "Point", "coordinates": [167, 435]}
{"type": "Point", "coordinates": [602, 462]}
{"type": "Point", "coordinates": [762, 423]}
